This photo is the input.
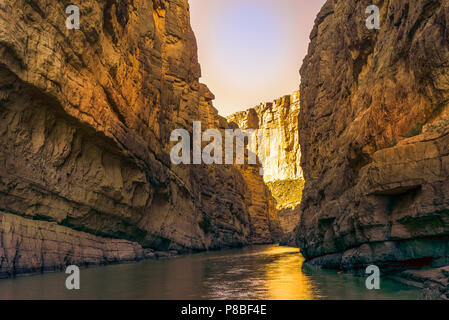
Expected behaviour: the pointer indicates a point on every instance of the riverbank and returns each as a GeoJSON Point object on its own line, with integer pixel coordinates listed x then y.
{"type": "Point", "coordinates": [32, 247]}
{"type": "Point", "coordinates": [46, 248]}
{"type": "Point", "coordinates": [434, 282]}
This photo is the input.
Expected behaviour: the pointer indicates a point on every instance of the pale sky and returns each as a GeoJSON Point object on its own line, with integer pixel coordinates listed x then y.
{"type": "Point", "coordinates": [250, 51]}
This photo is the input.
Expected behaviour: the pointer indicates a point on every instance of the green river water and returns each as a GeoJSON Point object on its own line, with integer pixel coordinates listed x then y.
{"type": "Point", "coordinates": [260, 272]}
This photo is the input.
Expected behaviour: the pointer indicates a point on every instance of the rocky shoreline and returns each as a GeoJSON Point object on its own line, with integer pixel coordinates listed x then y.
{"type": "Point", "coordinates": [433, 281]}
{"type": "Point", "coordinates": [30, 246]}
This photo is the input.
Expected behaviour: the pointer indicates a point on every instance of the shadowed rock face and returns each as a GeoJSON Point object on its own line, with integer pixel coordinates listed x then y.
{"type": "Point", "coordinates": [85, 123]}
{"type": "Point", "coordinates": [375, 136]}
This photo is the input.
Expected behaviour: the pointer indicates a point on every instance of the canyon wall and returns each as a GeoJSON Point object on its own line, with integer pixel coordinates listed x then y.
{"type": "Point", "coordinates": [280, 116]}
{"type": "Point", "coordinates": [278, 120]}
{"type": "Point", "coordinates": [85, 123]}
{"type": "Point", "coordinates": [375, 136]}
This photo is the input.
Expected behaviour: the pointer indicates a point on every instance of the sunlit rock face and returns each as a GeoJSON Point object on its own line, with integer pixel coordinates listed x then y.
{"type": "Point", "coordinates": [276, 127]}
{"type": "Point", "coordinates": [85, 123]}
{"type": "Point", "coordinates": [281, 160]}
{"type": "Point", "coordinates": [374, 125]}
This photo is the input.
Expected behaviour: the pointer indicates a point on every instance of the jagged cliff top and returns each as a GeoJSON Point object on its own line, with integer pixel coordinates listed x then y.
{"type": "Point", "coordinates": [290, 100]}
{"type": "Point", "coordinates": [376, 187]}
{"type": "Point", "coordinates": [280, 119]}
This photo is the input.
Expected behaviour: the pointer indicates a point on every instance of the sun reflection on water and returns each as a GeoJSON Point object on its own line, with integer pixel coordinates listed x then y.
{"type": "Point", "coordinates": [254, 273]}
{"type": "Point", "coordinates": [285, 278]}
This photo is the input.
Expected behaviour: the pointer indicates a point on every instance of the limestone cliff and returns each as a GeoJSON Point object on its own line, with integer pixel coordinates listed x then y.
{"type": "Point", "coordinates": [375, 136]}
{"type": "Point", "coordinates": [85, 123]}
{"type": "Point", "coordinates": [282, 154]}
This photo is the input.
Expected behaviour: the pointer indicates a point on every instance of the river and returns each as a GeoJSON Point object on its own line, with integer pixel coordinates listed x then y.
{"type": "Point", "coordinates": [260, 272]}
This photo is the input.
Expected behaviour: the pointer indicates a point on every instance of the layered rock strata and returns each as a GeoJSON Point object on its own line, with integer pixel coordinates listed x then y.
{"type": "Point", "coordinates": [375, 137]}
{"type": "Point", "coordinates": [33, 246]}
{"type": "Point", "coordinates": [85, 123]}
{"type": "Point", "coordinates": [433, 281]}
{"type": "Point", "coordinates": [281, 161]}
{"type": "Point", "coordinates": [276, 126]}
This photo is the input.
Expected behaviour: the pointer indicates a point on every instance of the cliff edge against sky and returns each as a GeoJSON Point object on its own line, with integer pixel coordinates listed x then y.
{"type": "Point", "coordinates": [278, 120]}
{"type": "Point", "coordinates": [375, 136]}
{"type": "Point", "coordinates": [85, 123]}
